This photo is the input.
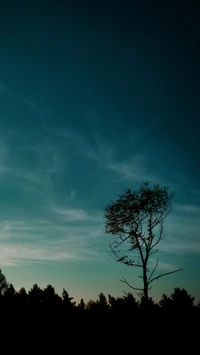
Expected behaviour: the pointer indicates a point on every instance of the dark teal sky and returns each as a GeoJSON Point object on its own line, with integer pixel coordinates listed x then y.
{"type": "Point", "coordinates": [95, 97]}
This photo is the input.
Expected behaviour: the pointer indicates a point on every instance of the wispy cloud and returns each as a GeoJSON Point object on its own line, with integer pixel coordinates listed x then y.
{"type": "Point", "coordinates": [72, 194]}
{"type": "Point", "coordinates": [72, 214]}
{"type": "Point", "coordinates": [4, 89]}
{"type": "Point", "coordinates": [26, 101]}
{"type": "Point", "coordinates": [188, 208]}
{"type": "Point", "coordinates": [162, 266]}
{"type": "Point", "coordinates": [75, 236]}
{"type": "Point", "coordinates": [182, 230]}
{"type": "Point", "coordinates": [133, 169]}
{"type": "Point", "coordinates": [104, 155]}
{"type": "Point", "coordinates": [34, 108]}
{"type": "Point", "coordinates": [17, 253]}
{"type": "Point", "coordinates": [69, 214]}
{"type": "Point", "coordinates": [29, 173]}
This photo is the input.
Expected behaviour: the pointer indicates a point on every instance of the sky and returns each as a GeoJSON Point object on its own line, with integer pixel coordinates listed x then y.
{"type": "Point", "coordinates": [96, 97]}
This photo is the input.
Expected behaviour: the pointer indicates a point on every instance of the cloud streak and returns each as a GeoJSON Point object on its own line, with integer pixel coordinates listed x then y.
{"type": "Point", "coordinates": [76, 237]}
{"type": "Point", "coordinates": [103, 154]}
{"type": "Point", "coordinates": [72, 214]}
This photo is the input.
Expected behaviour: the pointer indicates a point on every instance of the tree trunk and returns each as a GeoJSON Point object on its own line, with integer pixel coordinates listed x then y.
{"type": "Point", "coordinates": [146, 296]}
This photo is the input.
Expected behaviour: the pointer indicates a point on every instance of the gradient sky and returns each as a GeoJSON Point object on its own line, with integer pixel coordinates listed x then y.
{"type": "Point", "coordinates": [95, 98]}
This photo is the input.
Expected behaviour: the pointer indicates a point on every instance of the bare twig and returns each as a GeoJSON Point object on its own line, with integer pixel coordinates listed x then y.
{"type": "Point", "coordinates": [134, 288]}
{"type": "Point", "coordinates": [159, 237]}
{"type": "Point", "coordinates": [153, 252]}
{"type": "Point", "coordinates": [166, 273]}
{"type": "Point", "coordinates": [122, 240]}
{"type": "Point", "coordinates": [123, 258]}
{"type": "Point", "coordinates": [154, 269]}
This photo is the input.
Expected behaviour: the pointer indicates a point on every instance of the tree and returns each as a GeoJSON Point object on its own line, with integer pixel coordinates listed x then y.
{"type": "Point", "coordinates": [91, 306]}
{"type": "Point", "coordinates": [116, 304]}
{"type": "Point", "coordinates": [123, 306]}
{"type": "Point", "coordinates": [49, 295]}
{"type": "Point", "coordinates": [102, 304]}
{"type": "Point", "coordinates": [102, 300]}
{"type": "Point", "coordinates": [69, 304]}
{"type": "Point", "coordinates": [81, 305]}
{"type": "Point", "coordinates": [136, 220]}
{"type": "Point", "coordinates": [10, 294]}
{"type": "Point", "coordinates": [150, 303]}
{"type": "Point", "coordinates": [130, 302]}
{"type": "Point", "coordinates": [165, 302]}
{"type": "Point", "coordinates": [3, 283]}
{"type": "Point", "coordinates": [181, 299]}
{"type": "Point", "coordinates": [35, 294]}
{"type": "Point", "coordinates": [22, 295]}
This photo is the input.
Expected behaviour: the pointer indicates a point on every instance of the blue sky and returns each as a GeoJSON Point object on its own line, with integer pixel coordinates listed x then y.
{"type": "Point", "coordinates": [95, 99]}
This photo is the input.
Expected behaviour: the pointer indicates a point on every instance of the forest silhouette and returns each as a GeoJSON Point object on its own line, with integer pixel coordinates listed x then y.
{"type": "Point", "coordinates": [47, 302]}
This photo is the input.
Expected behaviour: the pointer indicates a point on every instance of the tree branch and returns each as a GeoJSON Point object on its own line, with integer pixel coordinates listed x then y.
{"type": "Point", "coordinates": [140, 249]}
{"type": "Point", "coordinates": [123, 240]}
{"type": "Point", "coordinates": [154, 269]}
{"type": "Point", "coordinates": [159, 237]}
{"type": "Point", "coordinates": [166, 273]}
{"type": "Point", "coordinates": [134, 288]}
{"type": "Point", "coordinates": [153, 252]}
{"type": "Point", "coordinates": [123, 258]}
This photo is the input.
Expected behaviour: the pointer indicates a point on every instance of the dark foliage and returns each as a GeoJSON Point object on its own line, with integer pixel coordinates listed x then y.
{"type": "Point", "coordinates": [44, 305]}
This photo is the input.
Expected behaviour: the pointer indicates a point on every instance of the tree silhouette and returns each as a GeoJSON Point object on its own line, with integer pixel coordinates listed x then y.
{"type": "Point", "coordinates": [69, 304]}
{"type": "Point", "coordinates": [3, 283]}
{"type": "Point", "coordinates": [102, 305]}
{"type": "Point", "coordinates": [102, 301]}
{"type": "Point", "coordinates": [35, 295]}
{"type": "Point", "coordinates": [123, 306]}
{"type": "Point", "coordinates": [81, 305]}
{"type": "Point", "coordinates": [49, 295]}
{"type": "Point", "coordinates": [48, 307]}
{"type": "Point", "coordinates": [130, 302]}
{"type": "Point", "coordinates": [22, 295]}
{"type": "Point", "coordinates": [181, 299]}
{"type": "Point", "coordinates": [91, 306]}
{"type": "Point", "coordinates": [10, 294]}
{"type": "Point", "coordinates": [165, 302]}
{"type": "Point", "coordinates": [116, 304]}
{"type": "Point", "coordinates": [150, 303]}
{"type": "Point", "coordinates": [198, 306]}
{"type": "Point", "coordinates": [99, 307]}
{"type": "Point", "coordinates": [136, 220]}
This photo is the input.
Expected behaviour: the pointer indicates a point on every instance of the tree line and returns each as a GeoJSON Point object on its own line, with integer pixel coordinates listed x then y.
{"type": "Point", "coordinates": [37, 298]}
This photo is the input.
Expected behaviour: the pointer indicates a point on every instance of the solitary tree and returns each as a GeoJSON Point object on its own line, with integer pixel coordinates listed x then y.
{"type": "Point", "coordinates": [136, 220]}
